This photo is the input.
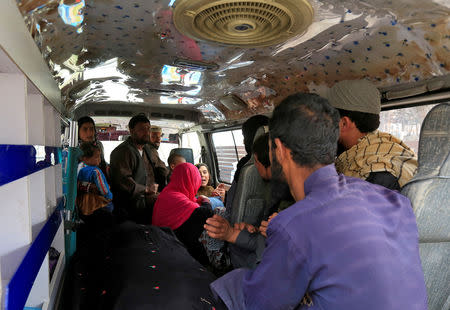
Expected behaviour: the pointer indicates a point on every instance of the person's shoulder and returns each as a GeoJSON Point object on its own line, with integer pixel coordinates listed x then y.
{"type": "Point", "coordinates": [369, 194]}
{"type": "Point", "coordinates": [291, 216]}
{"type": "Point", "coordinates": [87, 170]}
{"type": "Point", "coordinates": [99, 144]}
{"type": "Point", "coordinates": [97, 170]}
{"type": "Point", "coordinates": [151, 150]}
{"type": "Point", "coordinates": [83, 168]}
{"type": "Point", "coordinates": [348, 186]}
{"type": "Point", "coordinates": [122, 148]}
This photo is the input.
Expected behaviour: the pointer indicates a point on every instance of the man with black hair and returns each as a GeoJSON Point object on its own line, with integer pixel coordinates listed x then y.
{"type": "Point", "coordinates": [368, 154]}
{"type": "Point", "coordinates": [261, 154]}
{"type": "Point", "coordinates": [249, 128]}
{"type": "Point", "coordinates": [136, 173]}
{"type": "Point", "coordinates": [245, 243]}
{"type": "Point", "coordinates": [345, 243]}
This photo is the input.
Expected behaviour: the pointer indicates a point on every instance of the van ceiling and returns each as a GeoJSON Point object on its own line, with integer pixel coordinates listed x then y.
{"type": "Point", "coordinates": [117, 53]}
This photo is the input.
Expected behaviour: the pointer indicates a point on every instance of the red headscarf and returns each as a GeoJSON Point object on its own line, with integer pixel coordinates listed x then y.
{"type": "Point", "coordinates": [177, 201]}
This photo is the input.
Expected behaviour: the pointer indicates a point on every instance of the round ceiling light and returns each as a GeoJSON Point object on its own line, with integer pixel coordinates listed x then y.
{"type": "Point", "coordinates": [250, 23]}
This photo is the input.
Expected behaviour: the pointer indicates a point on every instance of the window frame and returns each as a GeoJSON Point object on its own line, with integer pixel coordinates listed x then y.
{"type": "Point", "coordinates": [214, 150]}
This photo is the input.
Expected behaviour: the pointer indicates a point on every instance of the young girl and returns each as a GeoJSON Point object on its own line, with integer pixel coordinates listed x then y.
{"type": "Point", "coordinates": [206, 189]}
{"type": "Point", "coordinates": [91, 180]}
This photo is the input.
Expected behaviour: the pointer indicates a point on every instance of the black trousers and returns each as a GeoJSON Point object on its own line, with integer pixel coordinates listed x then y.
{"type": "Point", "coordinates": [190, 231]}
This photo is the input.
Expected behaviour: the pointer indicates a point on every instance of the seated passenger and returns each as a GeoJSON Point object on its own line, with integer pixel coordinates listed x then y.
{"type": "Point", "coordinates": [249, 128]}
{"type": "Point", "coordinates": [369, 154]}
{"type": "Point", "coordinates": [173, 161]}
{"type": "Point", "coordinates": [206, 189]}
{"type": "Point", "coordinates": [92, 181]}
{"type": "Point", "coordinates": [345, 243]}
{"type": "Point", "coordinates": [246, 244]}
{"type": "Point", "coordinates": [177, 208]}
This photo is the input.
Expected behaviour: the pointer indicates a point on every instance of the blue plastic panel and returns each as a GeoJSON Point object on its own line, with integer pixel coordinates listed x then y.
{"type": "Point", "coordinates": [69, 167]}
{"type": "Point", "coordinates": [19, 287]}
{"type": "Point", "coordinates": [17, 161]}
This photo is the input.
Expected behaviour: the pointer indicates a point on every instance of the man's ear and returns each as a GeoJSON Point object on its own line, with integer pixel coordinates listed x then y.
{"type": "Point", "coordinates": [256, 157]}
{"type": "Point", "coordinates": [280, 151]}
{"type": "Point", "coordinates": [346, 124]}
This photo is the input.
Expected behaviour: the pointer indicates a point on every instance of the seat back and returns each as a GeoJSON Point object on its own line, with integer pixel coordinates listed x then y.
{"type": "Point", "coordinates": [429, 192]}
{"type": "Point", "coordinates": [250, 202]}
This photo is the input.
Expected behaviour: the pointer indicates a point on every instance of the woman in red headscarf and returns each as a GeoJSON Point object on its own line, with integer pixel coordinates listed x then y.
{"type": "Point", "coordinates": [178, 208]}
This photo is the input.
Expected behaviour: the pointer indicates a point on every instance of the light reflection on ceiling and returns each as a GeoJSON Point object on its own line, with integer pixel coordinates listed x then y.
{"type": "Point", "coordinates": [113, 50]}
{"type": "Point", "coordinates": [180, 76]}
{"type": "Point", "coordinates": [72, 14]}
{"type": "Point", "coordinates": [105, 69]}
{"type": "Point", "coordinates": [179, 100]}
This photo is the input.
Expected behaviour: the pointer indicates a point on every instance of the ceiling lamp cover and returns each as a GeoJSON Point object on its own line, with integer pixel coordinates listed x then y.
{"type": "Point", "coordinates": [250, 23]}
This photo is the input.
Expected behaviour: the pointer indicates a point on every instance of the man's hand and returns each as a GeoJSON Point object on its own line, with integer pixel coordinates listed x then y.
{"type": "Point", "coordinates": [265, 224]}
{"type": "Point", "coordinates": [219, 228]}
{"type": "Point", "coordinates": [152, 189]}
{"type": "Point", "coordinates": [219, 191]}
{"type": "Point", "coordinates": [241, 226]}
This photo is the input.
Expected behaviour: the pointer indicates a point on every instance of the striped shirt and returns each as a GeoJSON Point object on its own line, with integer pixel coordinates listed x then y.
{"type": "Point", "coordinates": [348, 244]}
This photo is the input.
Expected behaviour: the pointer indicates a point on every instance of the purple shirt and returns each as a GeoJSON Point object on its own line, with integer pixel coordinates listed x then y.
{"type": "Point", "coordinates": [349, 244]}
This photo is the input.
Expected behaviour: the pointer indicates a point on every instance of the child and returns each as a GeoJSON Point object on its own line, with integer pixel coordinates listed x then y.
{"type": "Point", "coordinates": [92, 181]}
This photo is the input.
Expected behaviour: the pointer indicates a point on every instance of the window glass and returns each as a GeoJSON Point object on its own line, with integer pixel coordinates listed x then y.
{"type": "Point", "coordinates": [226, 144]}
{"type": "Point", "coordinates": [405, 123]}
{"type": "Point", "coordinates": [108, 147]}
{"type": "Point", "coordinates": [164, 150]}
{"type": "Point", "coordinates": [190, 140]}
{"type": "Point", "coordinates": [226, 155]}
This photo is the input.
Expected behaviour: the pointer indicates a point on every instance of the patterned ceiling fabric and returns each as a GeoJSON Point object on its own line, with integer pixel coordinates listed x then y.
{"type": "Point", "coordinates": [124, 51]}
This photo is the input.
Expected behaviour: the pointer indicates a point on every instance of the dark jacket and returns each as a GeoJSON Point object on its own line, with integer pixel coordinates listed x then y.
{"type": "Point", "coordinates": [161, 171]}
{"type": "Point", "coordinates": [129, 176]}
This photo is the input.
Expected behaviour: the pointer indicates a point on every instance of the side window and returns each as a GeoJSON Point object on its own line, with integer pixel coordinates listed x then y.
{"type": "Point", "coordinates": [229, 146]}
{"type": "Point", "coordinates": [405, 123]}
{"type": "Point", "coordinates": [190, 140]}
{"type": "Point", "coordinates": [164, 150]}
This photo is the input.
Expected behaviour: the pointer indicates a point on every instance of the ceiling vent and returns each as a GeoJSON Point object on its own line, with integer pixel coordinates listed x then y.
{"type": "Point", "coordinates": [195, 64]}
{"type": "Point", "coordinates": [250, 23]}
{"type": "Point", "coordinates": [233, 102]}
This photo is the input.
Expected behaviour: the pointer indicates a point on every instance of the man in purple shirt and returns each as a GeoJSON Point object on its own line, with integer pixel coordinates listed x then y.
{"type": "Point", "coordinates": [344, 244]}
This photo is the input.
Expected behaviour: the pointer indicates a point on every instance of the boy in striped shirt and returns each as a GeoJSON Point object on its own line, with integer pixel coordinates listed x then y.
{"type": "Point", "coordinates": [90, 174]}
